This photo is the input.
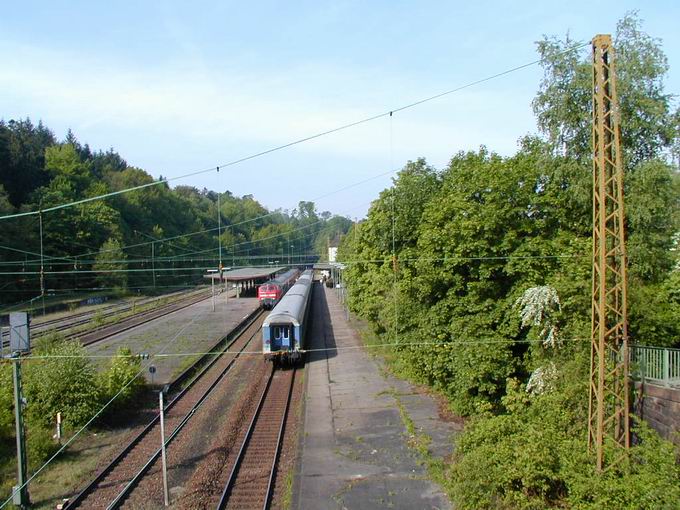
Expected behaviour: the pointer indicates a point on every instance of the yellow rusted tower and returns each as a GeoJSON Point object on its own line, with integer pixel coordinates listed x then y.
{"type": "Point", "coordinates": [608, 407]}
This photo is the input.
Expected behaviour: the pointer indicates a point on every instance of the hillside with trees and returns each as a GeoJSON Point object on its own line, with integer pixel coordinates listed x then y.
{"type": "Point", "coordinates": [480, 273]}
{"type": "Point", "coordinates": [116, 243]}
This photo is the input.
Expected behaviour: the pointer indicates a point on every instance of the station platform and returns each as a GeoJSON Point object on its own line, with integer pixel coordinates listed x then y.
{"type": "Point", "coordinates": [354, 452]}
{"type": "Point", "coordinates": [182, 335]}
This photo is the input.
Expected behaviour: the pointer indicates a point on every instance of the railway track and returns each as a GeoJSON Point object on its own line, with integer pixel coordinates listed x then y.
{"type": "Point", "coordinates": [40, 325]}
{"type": "Point", "coordinates": [97, 334]}
{"type": "Point", "coordinates": [116, 482]}
{"type": "Point", "coordinates": [107, 310]}
{"type": "Point", "coordinates": [253, 468]}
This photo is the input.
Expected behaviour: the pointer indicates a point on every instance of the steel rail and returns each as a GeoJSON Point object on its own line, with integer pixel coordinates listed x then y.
{"type": "Point", "coordinates": [226, 493]}
{"type": "Point", "coordinates": [120, 306]}
{"type": "Point", "coordinates": [108, 307]}
{"type": "Point", "coordinates": [133, 321]}
{"type": "Point", "coordinates": [239, 457]}
{"type": "Point", "coordinates": [84, 317]}
{"type": "Point", "coordinates": [122, 496]}
{"type": "Point", "coordinates": [279, 442]}
{"type": "Point", "coordinates": [78, 499]}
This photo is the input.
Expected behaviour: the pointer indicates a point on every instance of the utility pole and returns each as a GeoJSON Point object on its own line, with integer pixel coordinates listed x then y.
{"type": "Point", "coordinates": [166, 498]}
{"type": "Point", "coordinates": [219, 229]}
{"type": "Point", "coordinates": [20, 491]}
{"type": "Point", "coordinates": [608, 420]}
{"type": "Point", "coordinates": [153, 263]}
{"type": "Point", "coordinates": [42, 261]}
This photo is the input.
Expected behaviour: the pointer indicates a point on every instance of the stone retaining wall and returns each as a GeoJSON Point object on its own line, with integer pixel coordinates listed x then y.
{"type": "Point", "coordinates": [660, 408]}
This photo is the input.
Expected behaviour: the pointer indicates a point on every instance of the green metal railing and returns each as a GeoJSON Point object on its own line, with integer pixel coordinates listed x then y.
{"type": "Point", "coordinates": [658, 365]}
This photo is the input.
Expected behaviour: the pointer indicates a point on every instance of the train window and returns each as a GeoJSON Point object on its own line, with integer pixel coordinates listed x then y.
{"type": "Point", "coordinates": [277, 332]}
{"type": "Point", "coordinates": [286, 333]}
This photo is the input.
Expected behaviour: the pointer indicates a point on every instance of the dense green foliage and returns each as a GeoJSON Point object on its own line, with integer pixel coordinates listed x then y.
{"type": "Point", "coordinates": [443, 257]}
{"type": "Point", "coordinates": [62, 379]}
{"type": "Point", "coordinates": [563, 104]}
{"type": "Point", "coordinates": [174, 230]}
{"type": "Point", "coordinates": [533, 456]}
{"type": "Point", "coordinates": [123, 380]}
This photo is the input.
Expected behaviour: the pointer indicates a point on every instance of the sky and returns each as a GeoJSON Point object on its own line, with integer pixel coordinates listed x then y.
{"type": "Point", "coordinates": [176, 87]}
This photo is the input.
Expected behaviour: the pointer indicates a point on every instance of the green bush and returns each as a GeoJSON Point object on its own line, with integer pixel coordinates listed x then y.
{"type": "Point", "coordinates": [534, 457]}
{"type": "Point", "coordinates": [122, 379]}
{"type": "Point", "coordinates": [443, 256]}
{"type": "Point", "coordinates": [63, 380]}
{"type": "Point", "coordinates": [40, 445]}
{"type": "Point", "coordinates": [6, 401]}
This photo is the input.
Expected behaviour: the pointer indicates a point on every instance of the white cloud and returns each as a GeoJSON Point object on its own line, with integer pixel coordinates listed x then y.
{"type": "Point", "coordinates": [179, 117]}
{"type": "Point", "coordinates": [250, 108]}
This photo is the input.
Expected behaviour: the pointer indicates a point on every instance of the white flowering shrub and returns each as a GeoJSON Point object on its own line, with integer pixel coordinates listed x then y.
{"type": "Point", "coordinates": [537, 307]}
{"type": "Point", "coordinates": [542, 379]}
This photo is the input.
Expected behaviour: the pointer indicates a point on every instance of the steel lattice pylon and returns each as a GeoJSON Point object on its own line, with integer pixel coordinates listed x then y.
{"type": "Point", "coordinates": [608, 407]}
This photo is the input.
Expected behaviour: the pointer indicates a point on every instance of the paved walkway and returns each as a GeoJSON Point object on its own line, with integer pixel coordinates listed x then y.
{"type": "Point", "coordinates": [354, 448]}
{"type": "Point", "coordinates": [194, 329]}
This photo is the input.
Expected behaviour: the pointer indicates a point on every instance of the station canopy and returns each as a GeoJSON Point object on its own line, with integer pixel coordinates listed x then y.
{"type": "Point", "coordinates": [247, 273]}
{"type": "Point", "coordinates": [328, 266]}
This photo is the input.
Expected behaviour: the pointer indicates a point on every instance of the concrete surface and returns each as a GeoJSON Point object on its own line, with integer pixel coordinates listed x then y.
{"type": "Point", "coordinates": [192, 330]}
{"type": "Point", "coordinates": [354, 450]}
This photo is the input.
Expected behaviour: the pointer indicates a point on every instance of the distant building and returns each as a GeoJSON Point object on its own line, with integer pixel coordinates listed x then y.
{"type": "Point", "coordinates": [333, 244]}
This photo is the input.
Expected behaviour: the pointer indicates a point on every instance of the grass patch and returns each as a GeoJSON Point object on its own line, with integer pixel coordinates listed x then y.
{"type": "Point", "coordinates": [287, 497]}
{"type": "Point", "coordinates": [420, 443]}
{"type": "Point", "coordinates": [100, 320]}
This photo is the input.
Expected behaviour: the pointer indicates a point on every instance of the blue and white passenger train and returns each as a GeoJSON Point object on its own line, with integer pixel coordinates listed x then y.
{"type": "Point", "coordinates": [284, 329]}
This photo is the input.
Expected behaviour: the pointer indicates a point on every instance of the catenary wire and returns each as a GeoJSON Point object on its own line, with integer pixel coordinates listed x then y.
{"type": "Point", "coordinates": [97, 414]}
{"type": "Point", "coordinates": [448, 344]}
{"type": "Point", "coordinates": [294, 142]}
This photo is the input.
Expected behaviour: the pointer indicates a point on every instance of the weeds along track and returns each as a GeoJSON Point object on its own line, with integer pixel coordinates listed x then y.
{"type": "Point", "coordinates": [112, 486]}
{"type": "Point", "coordinates": [93, 335]}
{"type": "Point", "coordinates": [41, 327]}
{"type": "Point", "coordinates": [253, 468]}
{"type": "Point", "coordinates": [99, 334]}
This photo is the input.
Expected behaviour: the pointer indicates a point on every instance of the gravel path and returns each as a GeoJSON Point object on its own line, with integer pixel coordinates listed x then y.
{"type": "Point", "coordinates": [194, 329]}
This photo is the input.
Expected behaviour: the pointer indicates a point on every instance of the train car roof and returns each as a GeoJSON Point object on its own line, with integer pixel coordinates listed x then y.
{"type": "Point", "coordinates": [291, 305]}
{"type": "Point", "coordinates": [282, 277]}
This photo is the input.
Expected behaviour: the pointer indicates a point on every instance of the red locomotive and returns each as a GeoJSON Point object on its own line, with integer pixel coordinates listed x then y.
{"type": "Point", "coordinates": [269, 293]}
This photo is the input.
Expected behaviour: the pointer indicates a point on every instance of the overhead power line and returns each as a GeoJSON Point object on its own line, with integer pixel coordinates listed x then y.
{"type": "Point", "coordinates": [451, 343]}
{"type": "Point", "coordinates": [292, 143]}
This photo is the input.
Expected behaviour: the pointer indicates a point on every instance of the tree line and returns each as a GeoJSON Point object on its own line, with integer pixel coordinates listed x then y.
{"type": "Point", "coordinates": [154, 238]}
{"type": "Point", "coordinates": [449, 264]}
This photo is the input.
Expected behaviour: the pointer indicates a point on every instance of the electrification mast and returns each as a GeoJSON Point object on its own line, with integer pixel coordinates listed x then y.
{"type": "Point", "coordinates": [608, 424]}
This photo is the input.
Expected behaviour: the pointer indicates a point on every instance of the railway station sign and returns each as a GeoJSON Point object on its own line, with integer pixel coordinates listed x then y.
{"type": "Point", "coordinates": [19, 332]}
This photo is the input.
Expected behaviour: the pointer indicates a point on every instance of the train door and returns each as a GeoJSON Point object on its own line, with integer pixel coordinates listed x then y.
{"type": "Point", "coordinates": [282, 337]}
{"type": "Point", "coordinates": [285, 337]}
